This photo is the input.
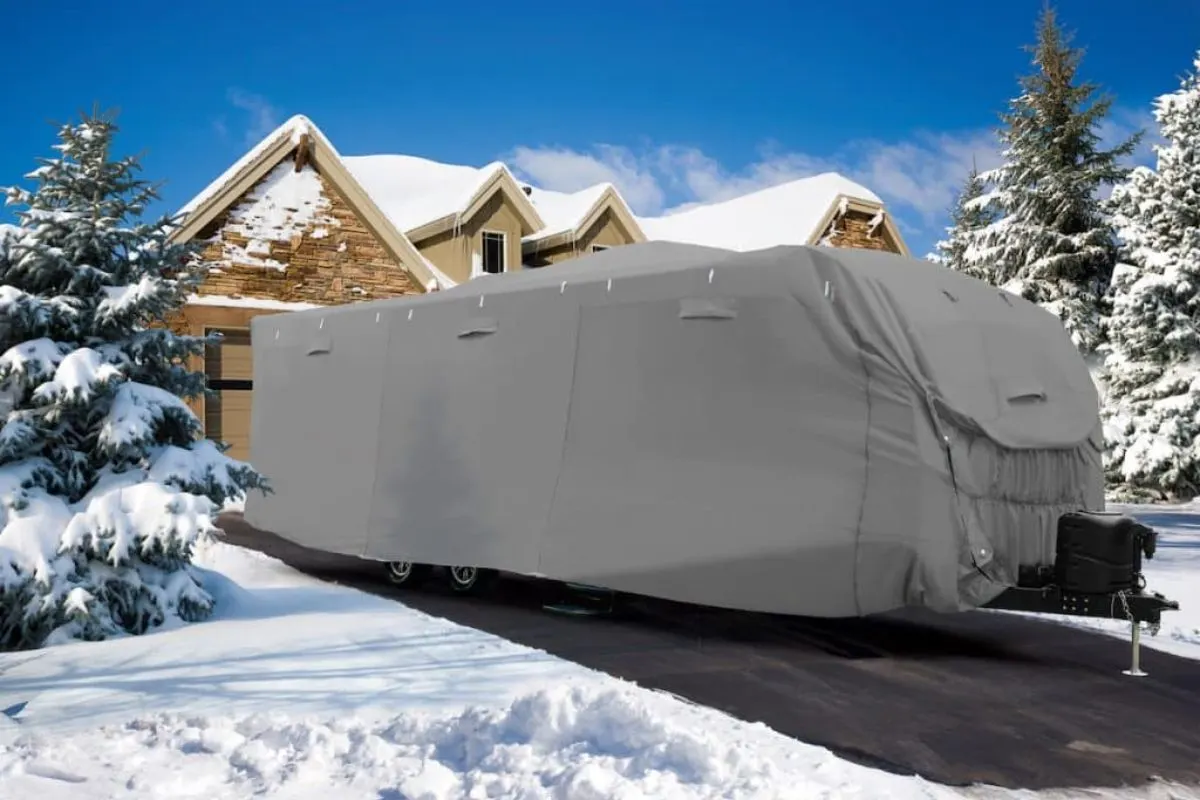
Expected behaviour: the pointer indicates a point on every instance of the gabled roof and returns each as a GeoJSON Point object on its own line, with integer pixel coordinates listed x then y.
{"type": "Point", "coordinates": [569, 215]}
{"type": "Point", "coordinates": [405, 199]}
{"type": "Point", "coordinates": [423, 197]}
{"type": "Point", "coordinates": [276, 146]}
{"type": "Point", "coordinates": [794, 213]}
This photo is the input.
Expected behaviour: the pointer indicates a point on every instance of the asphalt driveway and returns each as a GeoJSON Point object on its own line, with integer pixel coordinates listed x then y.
{"type": "Point", "coordinates": [958, 699]}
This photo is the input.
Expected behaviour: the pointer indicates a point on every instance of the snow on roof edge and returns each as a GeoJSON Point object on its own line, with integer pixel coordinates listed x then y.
{"type": "Point", "coordinates": [293, 126]}
{"type": "Point", "coordinates": [571, 222]}
{"type": "Point", "coordinates": [752, 220]}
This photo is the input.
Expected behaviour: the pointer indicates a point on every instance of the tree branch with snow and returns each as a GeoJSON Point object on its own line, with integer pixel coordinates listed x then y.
{"type": "Point", "coordinates": [106, 481]}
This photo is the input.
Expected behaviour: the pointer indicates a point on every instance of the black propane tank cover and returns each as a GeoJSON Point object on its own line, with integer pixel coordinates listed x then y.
{"type": "Point", "coordinates": [1097, 553]}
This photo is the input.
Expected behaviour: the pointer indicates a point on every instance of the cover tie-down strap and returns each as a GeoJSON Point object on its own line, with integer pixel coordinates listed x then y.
{"type": "Point", "coordinates": [982, 552]}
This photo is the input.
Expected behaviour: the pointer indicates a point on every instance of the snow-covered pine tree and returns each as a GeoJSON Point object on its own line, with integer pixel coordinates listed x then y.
{"type": "Point", "coordinates": [966, 217]}
{"type": "Point", "coordinates": [1152, 414]}
{"type": "Point", "coordinates": [1051, 242]}
{"type": "Point", "coordinates": [105, 481]}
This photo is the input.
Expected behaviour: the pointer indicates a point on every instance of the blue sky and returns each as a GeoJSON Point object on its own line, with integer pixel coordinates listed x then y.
{"type": "Point", "coordinates": [676, 102]}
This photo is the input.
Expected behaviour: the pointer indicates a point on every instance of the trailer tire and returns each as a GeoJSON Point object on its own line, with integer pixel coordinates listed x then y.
{"type": "Point", "coordinates": [469, 580]}
{"type": "Point", "coordinates": [406, 573]}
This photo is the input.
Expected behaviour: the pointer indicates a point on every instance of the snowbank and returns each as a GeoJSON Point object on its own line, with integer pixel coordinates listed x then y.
{"type": "Point", "coordinates": [302, 689]}
{"type": "Point", "coordinates": [577, 742]}
{"type": "Point", "coordinates": [298, 688]}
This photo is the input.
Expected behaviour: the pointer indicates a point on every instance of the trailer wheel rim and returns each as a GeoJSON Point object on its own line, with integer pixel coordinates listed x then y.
{"type": "Point", "coordinates": [400, 570]}
{"type": "Point", "coordinates": [463, 576]}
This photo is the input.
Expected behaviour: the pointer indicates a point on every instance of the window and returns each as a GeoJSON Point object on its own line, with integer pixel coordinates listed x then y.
{"type": "Point", "coordinates": [596, 248]}
{"type": "Point", "coordinates": [493, 253]}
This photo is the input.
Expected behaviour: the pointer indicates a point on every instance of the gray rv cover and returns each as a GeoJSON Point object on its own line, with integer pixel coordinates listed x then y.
{"type": "Point", "coordinates": [802, 430]}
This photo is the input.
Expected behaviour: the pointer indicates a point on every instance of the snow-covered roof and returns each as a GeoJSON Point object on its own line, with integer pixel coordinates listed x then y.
{"type": "Point", "coordinates": [563, 211]}
{"type": "Point", "coordinates": [257, 164]}
{"type": "Point", "coordinates": [784, 214]}
{"type": "Point", "coordinates": [412, 192]}
{"type": "Point", "coordinates": [293, 128]}
{"type": "Point", "coordinates": [415, 191]}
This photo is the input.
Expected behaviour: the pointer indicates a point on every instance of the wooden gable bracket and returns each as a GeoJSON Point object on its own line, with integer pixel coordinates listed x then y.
{"type": "Point", "coordinates": [303, 151]}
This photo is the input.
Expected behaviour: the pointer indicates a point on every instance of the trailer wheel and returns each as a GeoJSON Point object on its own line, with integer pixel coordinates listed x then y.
{"type": "Point", "coordinates": [466, 580]}
{"type": "Point", "coordinates": [406, 573]}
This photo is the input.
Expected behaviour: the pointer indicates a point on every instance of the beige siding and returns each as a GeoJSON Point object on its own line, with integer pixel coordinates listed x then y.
{"type": "Point", "coordinates": [606, 231]}
{"type": "Point", "coordinates": [452, 252]}
{"type": "Point", "coordinates": [227, 414]}
{"type": "Point", "coordinates": [227, 419]}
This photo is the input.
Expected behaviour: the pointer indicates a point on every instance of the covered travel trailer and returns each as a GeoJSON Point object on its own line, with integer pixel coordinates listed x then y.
{"type": "Point", "coordinates": [801, 430]}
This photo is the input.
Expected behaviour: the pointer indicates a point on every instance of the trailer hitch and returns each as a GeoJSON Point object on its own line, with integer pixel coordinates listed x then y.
{"type": "Point", "coordinates": [1070, 587]}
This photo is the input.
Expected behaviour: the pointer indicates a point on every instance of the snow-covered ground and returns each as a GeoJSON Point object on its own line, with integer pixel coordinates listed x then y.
{"type": "Point", "coordinates": [300, 689]}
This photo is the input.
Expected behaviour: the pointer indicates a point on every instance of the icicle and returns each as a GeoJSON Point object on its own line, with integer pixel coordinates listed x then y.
{"type": "Point", "coordinates": [875, 222]}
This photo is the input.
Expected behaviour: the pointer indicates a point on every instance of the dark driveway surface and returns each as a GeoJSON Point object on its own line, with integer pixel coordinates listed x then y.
{"type": "Point", "coordinates": [958, 699]}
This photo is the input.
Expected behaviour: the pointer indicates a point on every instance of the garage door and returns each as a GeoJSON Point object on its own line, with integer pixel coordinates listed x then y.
{"type": "Point", "coordinates": [230, 369]}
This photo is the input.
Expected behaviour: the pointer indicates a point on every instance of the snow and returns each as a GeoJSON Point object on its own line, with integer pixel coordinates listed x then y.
{"type": "Point", "coordinates": [440, 279]}
{"type": "Point", "coordinates": [563, 211]}
{"type": "Point", "coordinates": [784, 214]}
{"type": "Point", "coordinates": [296, 688]}
{"type": "Point", "coordinates": [413, 191]}
{"type": "Point", "coordinates": [284, 205]}
{"type": "Point", "coordinates": [293, 128]}
{"type": "Point", "coordinates": [1152, 416]}
{"type": "Point", "coordinates": [76, 375]}
{"type": "Point", "coordinates": [264, 303]}
{"type": "Point", "coordinates": [33, 359]}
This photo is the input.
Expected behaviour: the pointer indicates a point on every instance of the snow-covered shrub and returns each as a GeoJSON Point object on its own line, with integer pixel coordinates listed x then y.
{"type": "Point", "coordinates": [105, 480]}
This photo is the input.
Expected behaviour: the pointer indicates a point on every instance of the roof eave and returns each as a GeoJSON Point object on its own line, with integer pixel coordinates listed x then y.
{"type": "Point", "coordinates": [862, 206]}
{"type": "Point", "coordinates": [609, 200]}
{"type": "Point", "coordinates": [217, 201]}
{"type": "Point", "coordinates": [334, 170]}
{"type": "Point", "coordinates": [399, 246]}
{"type": "Point", "coordinates": [548, 240]}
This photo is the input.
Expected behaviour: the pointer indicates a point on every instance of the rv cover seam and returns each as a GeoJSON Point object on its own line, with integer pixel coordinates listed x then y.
{"type": "Point", "coordinates": [562, 453]}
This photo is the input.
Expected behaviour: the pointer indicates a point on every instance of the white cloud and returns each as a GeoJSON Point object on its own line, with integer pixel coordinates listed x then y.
{"type": "Point", "coordinates": [917, 177]}
{"type": "Point", "coordinates": [564, 170]}
{"type": "Point", "coordinates": [262, 117]}
{"type": "Point", "coordinates": [1123, 122]}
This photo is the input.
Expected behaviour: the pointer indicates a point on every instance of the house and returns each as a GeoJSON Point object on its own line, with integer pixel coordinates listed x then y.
{"type": "Point", "coordinates": [293, 224]}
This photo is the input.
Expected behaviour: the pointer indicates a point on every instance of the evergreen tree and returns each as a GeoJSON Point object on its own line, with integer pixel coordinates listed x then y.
{"type": "Point", "coordinates": [105, 480]}
{"type": "Point", "coordinates": [1153, 410]}
{"type": "Point", "coordinates": [1051, 242]}
{"type": "Point", "coordinates": [966, 217]}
